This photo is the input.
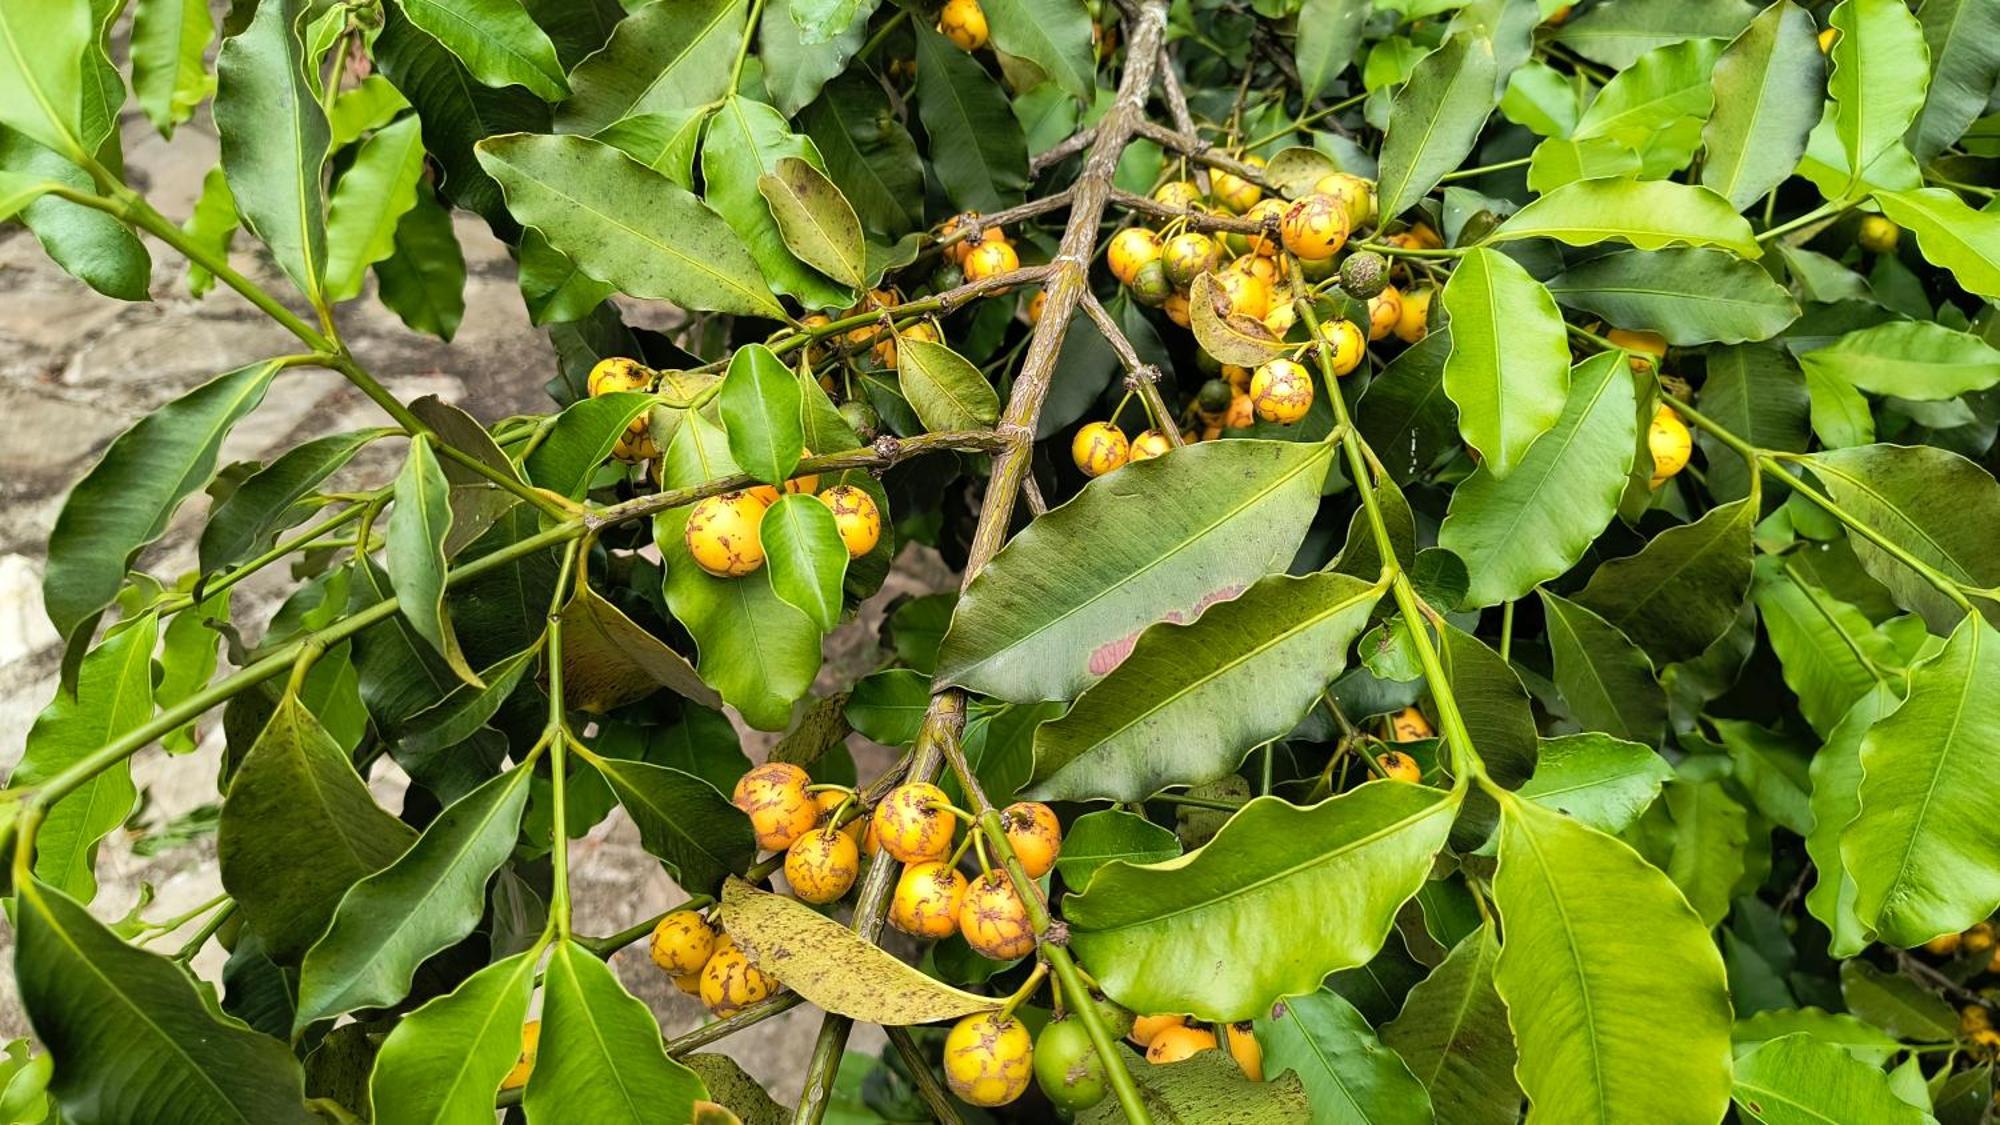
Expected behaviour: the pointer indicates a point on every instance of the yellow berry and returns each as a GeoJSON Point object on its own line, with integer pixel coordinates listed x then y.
{"type": "Point", "coordinates": [1315, 228]}
{"type": "Point", "coordinates": [1671, 444]}
{"type": "Point", "coordinates": [774, 797]}
{"type": "Point", "coordinates": [636, 443]}
{"type": "Point", "coordinates": [1942, 945]}
{"type": "Point", "coordinates": [1236, 192]}
{"type": "Point", "coordinates": [1176, 308]}
{"type": "Point", "coordinates": [1645, 349]}
{"type": "Point", "coordinates": [1146, 1028]}
{"type": "Point", "coordinates": [722, 534]}
{"type": "Point", "coordinates": [1149, 444]}
{"type": "Point", "coordinates": [1878, 234]}
{"type": "Point", "coordinates": [821, 865]}
{"type": "Point", "coordinates": [1346, 343]}
{"type": "Point", "coordinates": [957, 251]}
{"type": "Point", "coordinates": [1098, 448]}
{"type": "Point", "coordinates": [1281, 391]}
{"type": "Point", "coordinates": [1356, 196]}
{"type": "Point", "coordinates": [1978, 938]}
{"type": "Point", "coordinates": [1034, 833]}
{"type": "Point", "coordinates": [855, 517]}
{"type": "Point", "coordinates": [1385, 309]}
{"type": "Point", "coordinates": [729, 982]}
{"type": "Point", "coordinates": [994, 920]}
{"type": "Point", "coordinates": [964, 23]}
{"type": "Point", "coordinates": [1188, 255]}
{"type": "Point", "coordinates": [689, 983]}
{"type": "Point", "coordinates": [1265, 244]}
{"type": "Point", "coordinates": [1241, 414]}
{"type": "Point", "coordinates": [1130, 250]}
{"type": "Point", "coordinates": [1035, 305]}
{"type": "Point", "coordinates": [531, 1040]}
{"type": "Point", "coordinates": [927, 899]}
{"type": "Point", "coordinates": [1411, 322]}
{"type": "Point", "coordinates": [914, 823]}
{"type": "Point", "coordinates": [1182, 195]}
{"type": "Point", "coordinates": [682, 943]}
{"type": "Point", "coordinates": [1246, 294]}
{"type": "Point", "coordinates": [1972, 1017]}
{"type": "Point", "coordinates": [1173, 1044]}
{"type": "Point", "coordinates": [1398, 766]}
{"type": "Point", "coordinates": [1238, 377]}
{"type": "Point", "coordinates": [991, 259]}
{"type": "Point", "coordinates": [1244, 1048]}
{"type": "Point", "coordinates": [1409, 725]}
{"type": "Point", "coordinates": [988, 1059]}
{"type": "Point", "coordinates": [615, 374]}
{"type": "Point", "coordinates": [1826, 39]}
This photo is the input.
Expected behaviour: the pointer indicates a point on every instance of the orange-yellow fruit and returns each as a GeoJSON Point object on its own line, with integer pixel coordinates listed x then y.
{"type": "Point", "coordinates": [1671, 444]}
{"type": "Point", "coordinates": [855, 517]}
{"type": "Point", "coordinates": [1130, 250]}
{"type": "Point", "coordinates": [1878, 234]}
{"type": "Point", "coordinates": [1238, 377]}
{"type": "Point", "coordinates": [1972, 1017]}
{"type": "Point", "coordinates": [1235, 192]}
{"type": "Point", "coordinates": [1257, 266]}
{"type": "Point", "coordinates": [729, 982]}
{"type": "Point", "coordinates": [1145, 1028]}
{"type": "Point", "coordinates": [689, 983]}
{"type": "Point", "coordinates": [795, 486]}
{"type": "Point", "coordinates": [1826, 39]}
{"type": "Point", "coordinates": [927, 899]}
{"type": "Point", "coordinates": [1347, 344]}
{"type": "Point", "coordinates": [1244, 1048]}
{"type": "Point", "coordinates": [1411, 321]}
{"type": "Point", "coordinates": [885, 348]}
{"type": "Point", "coordinates": [914, 823]}
{"type": "Point", "coordinates": [991, 259]}
{"type": "Point", "coordinates": [722, 534]}
{"type": "Point", "coordinates": [1942, 945]}
{"type": "Point", "coordinates": [1149, 444]}
{"type": "Point", "coordinates": [1356, 196]}
{"type": "Point", "coordinates": [1035, 305]}
{"type": "Point", "coordinates": [1182, 195]}
{"type": "Point", "coordinates": [1035, 835]}
{"type": "Point", "coordinates": [774, 797]}
{"type": "Point", "coordinates": [964, 23]}
{"type": "Point", "coordinates": [1246, 294]}
{"type": "Point", "coordinates": [1098, 448]}
{"type": "Point", "coordinates": [994, 920]}
{"type": "Point", "coordinates": [531, 1041]}
{"type": "Point", "coordinates": [1419, 236]}
{"type": "Point", "coordinates": [615, 374]}
{"type": "Point", "coordinates": [821, 865]}
{"type": "Point", "coordinates": [1187, 256]}
{"type": "Point", "coordinates": [957, 251]}
{"type": "Point", "coordinates": [1281, 391]}
{"type": "Point", "coordinates": [1265, 243]}
{"type": "Point", "coordinates": [1282, 314]}
{"type": "Point", "coordinates": [1385, 310]}
{"type": "Point", "coordinates": [1977, 938]}
{"type": "Point", "coordinates": [1242, 414]}
{"type": "Point", "coordinates": [636, 443]}
{"type": "Point", "coordinates": [1315, 228]}
{"type": "Point", "coordinates": [1173, 1044]}
{"type": "Point", "coordinates": [1398, 766]}
{"type": "Point", "coordinates": [827, 802]}
{"type": "Point", "coordinates": [1409, 725]}
{"type": "Point", "coordinates": [682, 943]}
{"type": "Point", "coordinates": [988, 1059]}
{"type": "Point", "coordinates": [1176, 308]}
{"type": "Point", "coordinates": [1645, 349]}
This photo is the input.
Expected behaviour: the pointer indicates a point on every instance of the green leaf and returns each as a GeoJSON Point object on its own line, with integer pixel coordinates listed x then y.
{"type": "Point", "coordinates": [868, 153]}
{"type": "Point", "coordinates": [817, 222]}
{"type": "Point", "coordinates": [1828, 650]}
{"type": "Point", "coordinates": [370, 199]}
{"type": "Point", "coordinates": [1758, 394]}
{"type": "Point", "coordinates": [1405, 414]}
{"type": "Point", "coordinates": [1689, 296]}
{"type": "Point", "coordinates": [835, 968]}
{"type": "Point", "coordinates": [1924, 855]}
{"type": "Point", "coordinates": [1108, 835]}
{"type": "Point", "coordinates": [127, 500]}
{"type": "Point", "coordinates": [1767, 99]}
{"type": "Point", "coordinates": [1964, 42]}
{"type": "Point", "coordinates": [1193, 699]}
{"type": "Point", "coordinates": [298, 828]}
{"type": "Point", "coordinates": [666, 55]}
{"type": "Point", "coordinates": [888, 706]}
{"type": "Point", "coordinates": [1932, 503]}
{"type": "Point", "coordinates": [1656, 106]}
{"type": "Point", "coordinates": [91, 245]}
{"type": "Point", "coordinates": [135, 1039]}
{"type": "Point", "coordinates": [760, 401]}
{"type": "Point", "coordinates": [1559, 160]}
{"type": "Point", "coordinates": [1797, 1080]}
{"type": "Point", "coordinates": [41, 83]}
{"type": "Point", "coordinates": [1065, 600]}
{"type": "Point", "coordinates": [1880, 69]}
{"type": "Point", "coordinates": [946, 391]}
{"type": "Point", "coordinates": [169, 79]}
{"type": "Point", "coordinates": [1771, 768]}
{"type": "Point", "coordinates": [417, 531]}
{"type": "Point", "coordinates": [1329, 33]}
{"type": "Point", "coordinates": [187, 663]}
{"type": "Point", "coordinates": [1615, 991]}
{"type": "Point", "coordinates": [248, 520]}
{"type": "Point", "coordinates": [806, 557]}
{"type": "Point", "coordinates": [1536, 523]}
{"type": "Point", "coordinates": [1348, 1073]}
{"type": "Point", "coordinates": [626, 224]}
{"type": "Point", "coordinates": [1054, 35]}
{"type": "Point", "coordinates": [1836, 784]}
{"type": "Point", "coordinates": [1436, 118]}
{"type": "Point", "coordinates": [460, 714]}
{"type": "Point", "coordinates": [976, 147]}
{"type": "Point", "coordinates": [1681, 591]}
{"type": "Point", "coordinates": [1697, 835]}
{"type": "Point", "coordinates": [583, 436]}
{"type": "Point", "coordinates": [1208, 1088]}
{"type": "Point", "coordinates": [1649, 214]}
{"type": "Point", "coordinates": [1214, 933]}
{"type": "Point", "coordinates": [1509, 365]}
{"type": "Point", "coordinates": [1601, 781]}
{"type": "Point", "coordinates": [1453, 1033]}
{"type": "Point", "coordinates": [1896, 1004]}
{"type": "Point", "coordinates": [601, 1058]}
{"type": "Point", "coordinates": [1911, 359]}
{"type": "Point", "coordinates": [1607, 682]}
{"type": "Point", "coordinates": [1858, 1038]}
{"type": "Point", "coordinates": [684, 821]}
{"type": "Point", "coordinates": [1950, 234]}
{"type": "Point", "coordinates": [499, 43]}
{"type": "Point", "coordinates": [745, 141]}
{"type": "Point", "coordinates": [364, 108]}
{"type": "Point", "coordinates": [1841, 417]}
{"type": "Point", "coordinates": [609, 660]}
{"type": "Point", "coordinates": [1493, 703]}
{"type": "Point", "coordinates": [444, 1062]}
{"type": "Point", "coordinates": [274, 139]}
{"type": "Point", "coordinates": [423, 281]}
{"type": "Point", "coordinates": [798, 64]}
{"type": "Point", "coordinates": [427, 900]}
{"type": "Point", "coordinates": [1617, 33]}
{"type": "Point", "coordinates": [114, 695]}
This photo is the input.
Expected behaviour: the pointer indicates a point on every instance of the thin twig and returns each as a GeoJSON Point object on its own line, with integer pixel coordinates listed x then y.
{"type": "Point", "coordinates": [1141, 377]}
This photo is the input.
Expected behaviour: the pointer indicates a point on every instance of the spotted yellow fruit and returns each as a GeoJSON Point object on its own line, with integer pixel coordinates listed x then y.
{"type": "Point", "coordinates": [1356, 196]}
{"type": "Point", "coordinates": [1176, 308]}
{"type": "Point", "coordinates": [1409, 725]}
{"type": "Point", "coordinates": [966, 220]}
{"type": "Point", "coordinates": [991, 259]}
{"type": "Point", "coordinates": [1130, 250]}
{"type": "Point", "coordinates": [729, 982]}
{"type": "Point", "coordinates": [988, 1059]}
{"type": "Point", "coordinates": [1878, 234]}
{"type": "Point", "coordinates": [1413, 321]}
{"type": "Point", "coordinates": [1246, 294]}
{"type": "Point", "coordinates": [821, 865]}
{"type": "Point", "coordinates": [1398, 766]}
{"type": "Point", "coordinates": [616, 373]}
{"type": "Point", "coordinates": [885, 348]}
{"type": "Point", "coordinates": [914, 823]}
{"type": "Point", "coordinates": [1149, 444]}
{"type": "Point", "coordinates": [1098, 448]}
{"type": "Point", "coordinates": [1173, 1044]}
{"type": "Point", "coordinates": [1146, 1028]}
{"type": "Point", "coordinates": [964, 23]}
{"type": "Point", "coordinates": [1385, 309]}
{"type": "Point", "coordinates": [826, 803]}
{"type": "Point", "coordinates": [1644, 349]}
{"type": "Point", "coordinates": [1315, 228]}
{"type": "Point", "coordinates": [1258, 266]}
{"type": "Point", "coordinates": [1241, 413]}
{"type": "Point", "coordinates": [1237, 376]}
{"type": "Point", "coordinates": [774, 797]}
{"type": "Point", "coordinates": [994, 920]}
{"type": "Point", "coordinates": [1266, 242]}
{"type": "Point", "coordinates": [1972, 1017]}
{"type": "Point", "coordinates": [1282, 314]}
{"type": "Point", "coordinates": [636, 443]}
{"type": "Point", "coordinates": [690, 983]}
{"type": "Point", "coordinates": [1244, 1048]}
{"type": "Point", "coordinates": [855, 516]}
{"type": "Point", "coordinates": [531, 1040]}
{"type": "Point", "coordinates": [1346, 343]}
{"type": "Point", "coordinates": [927, 899]}
{"type": "Point", "coordinates": [1671, 444]}
{"type": "Point", "coordinates": [1187, 256]}
{"type": "Point", "coordinates": [1977, 938]}
{"type": "Point", "coordinates": [682, 943]}
{"type": "Point", "coordinates": [1181, 195]}
{"type": "Point", "coordinates": [1034, 833]}
{"type": "Point", "coordinates": [1235, 192]}
{"type": "Point", "coordinates": [722, 534]}
{"type": "Point", "coordinates": [1281, 391]}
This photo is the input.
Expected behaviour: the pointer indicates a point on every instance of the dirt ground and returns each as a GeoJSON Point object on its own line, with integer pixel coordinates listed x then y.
{"type": "Point", "coordinates": [77, 368]}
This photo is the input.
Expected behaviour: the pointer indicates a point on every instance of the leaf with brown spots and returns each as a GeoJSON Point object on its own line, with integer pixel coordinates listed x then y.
{"type": "Point", "coordinates": [1226, 336]}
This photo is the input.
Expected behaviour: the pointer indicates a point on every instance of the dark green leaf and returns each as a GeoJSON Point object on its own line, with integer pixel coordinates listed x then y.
{"type": "Point", "coordinates": [976, 146]}
{"type": "Point", "coordinates": [1768, 88]}
{"type": "Point", "coordinates": [945, 390]}
{"type": "Point", "coordinates": [601, 1058]}
{"type": "Point", "coordinates": [868, 153]}
{"type": "Point", "coordinates": [798, 62]}
{"type": "Point", "coordinates": [1607, 682]}
{"type": "Point", "coordinates": [91, 245]}
{"type": "Point", "coordinates": [274, 139]}
{"type": "Point", "coordinates": [369, 201]}
{"type": "Point", "coordinates": [423, 281]}
{"type": "Point", "coordinates": [1436, 119]}
{"type": "Point", "coordinates": [682, 820]}
{"type": "Point", "coordinates": [666, 55]}
{"type": "Point", "coordinates": [1679, 593]}
{"type": "Point", "coordinates": [497, 40]}
{"type": "Point", "coordinates": [1689, 296]}
{"type": "Point", "coordinates": [1347, 1072]}
{"type": "Point", "coordinates": [1937, 506]}
{"type": "Point", "coordinates": [1964, 41]}
{"type": "Point", "coordinates": [609, 660]}
{"type": "Point", "coordinates": [1054, 35]}
{"type": "Point", "coordinates": [248, 521]}
{"type": "Point", "coordinates": [1453, 1033]}
{"type": "Point", "coordinates": [1329, 33]}
{"type": "Point", "coordinates": [416, 538]}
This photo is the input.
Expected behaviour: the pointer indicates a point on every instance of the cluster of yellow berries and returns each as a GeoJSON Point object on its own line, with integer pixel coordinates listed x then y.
{"type": "Point", "coordinates": [705, 961]}
{"type": "Point", "coordinates": [988, 1057]}
{"type": "Point", "coordinates": [982, 252]}
{"type": "Point", "coordinates": [724, 532]}
{"type": "Point", "coordinates": [915, 825]}
{"type": "Point", "coordinates": [964, 23]}
{"type": "Point", "coordinates": [618, 374]}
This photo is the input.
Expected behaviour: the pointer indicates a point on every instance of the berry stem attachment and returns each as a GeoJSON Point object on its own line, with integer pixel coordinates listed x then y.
{"type": "Point", "coordinates": [1027, 990]}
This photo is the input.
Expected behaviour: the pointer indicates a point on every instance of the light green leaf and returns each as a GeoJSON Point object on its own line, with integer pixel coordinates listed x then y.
{"type": "Point", "coordinates": [418, 528]}
{"type": "Point", "coordinates": [1601, 781]}
{"type": "Point", "coordinates": [1950, 234]}
{"type": "Point", "coordinates": [1214, 932]}
{"type": "Point", "coordinates": [1649, 214]}
{"type": "Point", "coordinates": [1934, 504]}
{"type": "Point", "coordinates": [806, 557]}
{"type": "Point", "coordinates": [817, 222]}
{"type": "Point", "coordinates": [1880, 69]}
{"type": "Point", "coordinates": [601, 1058]}
{"type": "Point", "coordinates": [745, 141]}
{"type": "Point", "coordinates": [423, 281]}
{"type": "Point", "coordinates": [1453, 1033]}
{"type": "Point", "coordinates": [798, 63]}
{"type": "Point", "coordinates": [1436, 118]}
{"type": "Point", "coordinates": [1841, 417]}
{"type": "Point", "coordinates": [1065, 600]}
{"type": "Point", "coordinates": [1829, 651]}
{"type": "Point", "coordinates": [1757, 393]}
{"type": "Point", "coordinates": [1348, 1073]}
{"type": "Point", "coordinates": [1607, 682]}
{"type": "Point", "coordinates": [1689, 296]}
{"type": "Point", "coordinates": [627, 224]}
{"type": "Point", "coordinates": [666, 55]}
{"type": "Point", "coordinates": [584, 435]}
{"type": "Point", "coordinates": [977, 149]}
{"type": "Point", "coordinates": [1536, 523]}
{"type": "Point", "coordinates": [1797, 1080]}
{"type": "Point", "coordinates": [1053, 34]}
{"type": "Point", "coordinates": [1768, 90]}
{"type": "Point", "coordinates": [759, 403]}
{"type": "Point", "coordinates": [370, 199]}
{"type": "Point", "coordinates": [945, 389]}
{"type": "Point", "coordinates": [1615, 991]}
{"type": "Point", "coordinates": [1656, 106]}
{"type": "Point", "coordinates": [1857, 1037]}
{"type": "Point", "coordinates": [1193, 699]}
{"type": "Point", "coordinates": [365, 107]}
{"type": "Point", "coordinates": [1912, 359]}
{"type": "Point", "coordinates": [1097, 838]}
{"type": "Point", "coordinates": [1836, 783]}
{"type": "Point", "coordinates": [169, 79]}
{"type": "Point", "coordinates": [1697, 834]}
{"type": "Point", "coordinates": [1560, 160]}
{"type": "Point", "coordinates": [1682, 590]}
{"type": "Point", "coordinates": [1964, 41]}
{"type": "Point", "coordinates": [274, 139]}
{"type": "Point", "coordinates": [499, 43]}
{"type": "Point", "coordinates": [1617, 33]}
{"type": "Point", "coordinates": [1509, 366]}
{"type": "Point", "coordinates": [444, 1062]}
{"type": "Point", "coordinates": [1329, 33]}
{"type": "Point", "coordinates": [1771, 768]}
{"type": "Point", "coordinates": [42, 58]}
{"type": "Point", "coordinates": [91, 245]}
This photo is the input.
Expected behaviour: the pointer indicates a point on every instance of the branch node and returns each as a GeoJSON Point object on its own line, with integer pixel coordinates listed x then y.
{"type": "Point", "coordinates": [1057, 934]}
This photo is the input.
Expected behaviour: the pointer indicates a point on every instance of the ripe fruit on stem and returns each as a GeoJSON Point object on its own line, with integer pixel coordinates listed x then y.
{"type": "Point", "coordinates": [682, 943]}
{"type": "Point", "coordinates": [531, 1039]}
{"type": "Point", "coordinates": [722, 534]}
{"type": "Point", "coordinates": [927, 899]}
{"type": "Point", "coordinates": [1281, 391]}
{"type": "Point", "coordinates": [729, 982]}
{"type": "Point", "coordinates": [1149, 444]}
{"type": "Point", "coordinates": [914, 823]}
{"type": "Point", "coordinates": [994, 920]}
{"type": "Point", "coordinates": [1098, 448]}
{"type": "Point", "coordinates": [1385, 311]}
{"type": "Point", "coordinates": [1670, 443]}
{"type": "Point", "coordinates": [1409, 725]}
{"type": "Point", "coordinates": [1173, 1044]}
{"type": "Point", "coordinates": [1315, 228]}
{"type": "Point", "coordinates": [964, 23]}
{"type": "Point", "coordinates": [855, 517]}
{"type": "Point", "coordinates": [1244, 1048]}
{"type": "Point", "coordinates": [1398, 766]}
{"type": "Point", "coordinates": [774, 797]}
{"type": "Point", "coordinates": [988, 1059]}
{"type": "Point", "coordinates": [1346, 343]}
{"type": "Point", "coordinates": [821, 865]}
{"type": "Point", "coordinates": [1035, 835]}
{"type": "Point", "coordinates": [1130, 249]}
{"type": "Point", "coordinates": [1145, 1028]}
